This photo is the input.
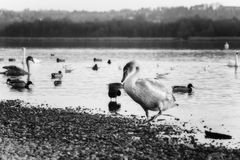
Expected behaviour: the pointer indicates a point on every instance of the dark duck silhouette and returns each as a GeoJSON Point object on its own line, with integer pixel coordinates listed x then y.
{"type": "Point", "coordinates": [95, 67]}
{"type": "Point", "coordinates": [17, 71]}
{"type": "Point", "coordinates": [21, 85]}
{"type": "Point", "coordinates": [11, 81]}
{"type": "Point", "coordinates": [60, 60]}
{"type": "Point", "coordinates": [183, 89]}
{"type": "Point", "coordinates": [109, 61]}
{"type": "Point", "coordinates": [57, 83]}
{"type": "Point", "coordinates": [11, 59]}
{"type": "Point", "coordinates": [114, 90]}
{"type": "Point", "coordinates": [97, 60]}
{"type": "Point", "coordinates": [57, 75]}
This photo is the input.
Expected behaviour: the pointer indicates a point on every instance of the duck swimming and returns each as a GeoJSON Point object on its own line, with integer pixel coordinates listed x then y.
{"type": "Point", "coordinates": [149, 94]}
{"type": "Point", "coordinates": [11, 81]}
{"type": "Point", "coordinates": [11, 59]}
{"type": "Point", "coordinates": [21, 85]}
{"type": "Point", "coordinates": [235, 62]}
{"type": "Point", "coordinates": [97, 60]}
{"type": "Point", "coordinates": [60, 60]}
{"type": "Point", "coordinates": [57, 83]}
{"type": "Point", "coordinates": [95, 67]}
{"type": "Point", "coordinates": [183, 89]}
{"type": "Point", "coordinates": [57, 75]}
{"type": "Point", "coordinates": [16, 71]}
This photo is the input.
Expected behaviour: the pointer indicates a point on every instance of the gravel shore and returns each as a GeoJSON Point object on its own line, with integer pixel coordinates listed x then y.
{"type": "Point", "coordinates": [36, 132]}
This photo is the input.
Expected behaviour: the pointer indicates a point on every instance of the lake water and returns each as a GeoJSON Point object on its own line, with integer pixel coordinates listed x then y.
{"type": "Point", "coordinates": [216, 97]}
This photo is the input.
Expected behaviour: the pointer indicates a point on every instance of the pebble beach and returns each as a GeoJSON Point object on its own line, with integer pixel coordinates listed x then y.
{"type": "Point", "coordinates": [41, 132]}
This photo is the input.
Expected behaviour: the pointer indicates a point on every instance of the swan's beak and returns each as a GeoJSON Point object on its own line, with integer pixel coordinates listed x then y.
{"type": "Point", "coordinates": [125, 73]}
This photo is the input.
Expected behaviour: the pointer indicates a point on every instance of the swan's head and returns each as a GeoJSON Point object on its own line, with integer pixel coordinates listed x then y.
{"type": "Point", "coordinates": [29, 82]}
{"type": "Point", "coordinates": [30, 58]}
{"type": "Point", "coordinates": [190, 85]}
{"type": "Point", "coordinates": [130, 68]}
{"type": "Point", "coordinates": [23, 48]}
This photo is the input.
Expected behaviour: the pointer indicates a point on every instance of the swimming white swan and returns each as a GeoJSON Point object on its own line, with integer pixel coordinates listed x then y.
{"type": "Point", "coordinates": [234, 63]}
{"type": "Point", "coordinates": [16, 71]}
{"type": "Point", "coordinates": [150, 94]}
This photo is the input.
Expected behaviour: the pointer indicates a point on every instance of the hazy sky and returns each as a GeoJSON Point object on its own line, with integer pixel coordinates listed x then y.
{"type": "Point", "coordinates": [103, 5]}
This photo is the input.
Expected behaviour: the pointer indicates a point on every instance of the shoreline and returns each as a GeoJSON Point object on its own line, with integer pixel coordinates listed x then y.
{"type": "Point", "coordinates": [37, 132]}
{"type": "Point", "coordinates": [121, 42]}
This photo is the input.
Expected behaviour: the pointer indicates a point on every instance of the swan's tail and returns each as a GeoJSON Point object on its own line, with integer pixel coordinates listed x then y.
{"type": "Point", "coordinates": [3, 72]}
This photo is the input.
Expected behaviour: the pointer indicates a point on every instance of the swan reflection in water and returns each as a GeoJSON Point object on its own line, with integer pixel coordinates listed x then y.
{"type": "Point", "coordinates": [114, 107]}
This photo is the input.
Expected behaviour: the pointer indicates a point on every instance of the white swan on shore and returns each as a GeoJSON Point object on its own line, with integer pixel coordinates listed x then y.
{"type": "Point", "coordinates": [235, 62]}
{"type": "Point", "coordinates": [150, 94]}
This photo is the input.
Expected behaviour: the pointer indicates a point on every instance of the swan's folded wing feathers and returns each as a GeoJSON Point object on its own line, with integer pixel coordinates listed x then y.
{"type": "Point", "coordinates": [154, 87]}
{"type": "Point", "coordinates": [157, 84]}
{"type": "Point", "coordinates": [15, 68]}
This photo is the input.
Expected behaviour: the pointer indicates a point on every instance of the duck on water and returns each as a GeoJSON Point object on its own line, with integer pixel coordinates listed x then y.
{"type": "Point", "coordinates": [183, 89]}
{"type": "Point", "coordinates": [21, 85]}
{"type": "Point", "coordinates": [149, 94]}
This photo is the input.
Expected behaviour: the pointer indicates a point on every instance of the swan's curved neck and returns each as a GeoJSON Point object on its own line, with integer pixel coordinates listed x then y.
{"type": "Point", "coordinates": [24, 57]}
{"type": "Point", "coordinates": [133, 77]}
{"type": "Point", "coordinates": [236, 60]}
{"type": "Point", "coordinates": [28, 68]}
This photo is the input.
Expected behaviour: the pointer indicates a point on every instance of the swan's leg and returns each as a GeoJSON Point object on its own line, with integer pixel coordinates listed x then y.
{"type": "Point", "coordinates": [159, 112]}
{"type": "Point", "coordinates": [146, 112]}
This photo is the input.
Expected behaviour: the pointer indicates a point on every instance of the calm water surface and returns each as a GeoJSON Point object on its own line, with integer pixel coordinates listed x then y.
{"type": "Point", "coordinates": [216, 97]}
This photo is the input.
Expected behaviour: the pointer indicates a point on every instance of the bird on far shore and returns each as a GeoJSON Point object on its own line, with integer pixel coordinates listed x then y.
{"type": "Point", "coordinates": [183, 89]}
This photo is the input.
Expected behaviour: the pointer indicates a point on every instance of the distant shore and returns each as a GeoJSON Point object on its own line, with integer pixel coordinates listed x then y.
{"type": "Point", "coordinates": [121, 42]}
{"type": "Point", "coordinates": [39, 132]}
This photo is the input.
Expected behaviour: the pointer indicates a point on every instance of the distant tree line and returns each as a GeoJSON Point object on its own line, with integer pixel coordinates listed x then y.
{"type": "Point", "coordinates": [183, 28]}
{"type": "Point", "coordinates": [157, 15]}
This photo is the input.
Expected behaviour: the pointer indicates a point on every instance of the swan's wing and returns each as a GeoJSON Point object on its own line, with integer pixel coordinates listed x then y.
{"type": "Point", "coordinates": [156, 84]}
{"type": "Point", "coordinates": [14, 68]}
{"type": "Point", "coordinates": [154, 87]}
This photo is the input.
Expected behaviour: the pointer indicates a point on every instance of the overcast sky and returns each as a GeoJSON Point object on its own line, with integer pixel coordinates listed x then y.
{"type": "Point", "coordinates": [104, 5]}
